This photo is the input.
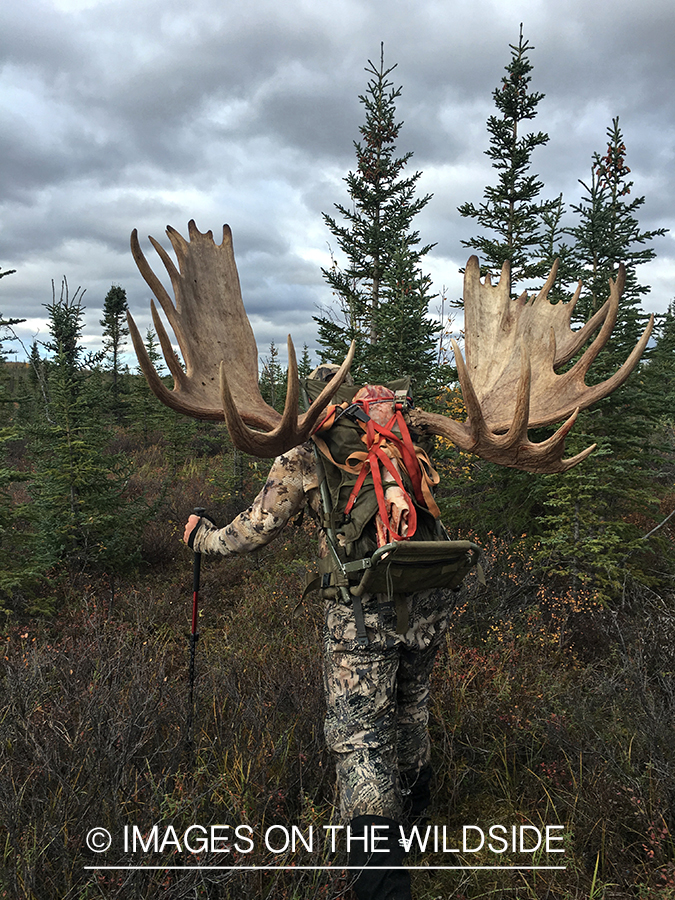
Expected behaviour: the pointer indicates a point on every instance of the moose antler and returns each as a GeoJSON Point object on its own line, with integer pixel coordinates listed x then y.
{"type": "Point", "coordinates": [220, 379]}
{"type": "Point", "coordinates": [509, 380]}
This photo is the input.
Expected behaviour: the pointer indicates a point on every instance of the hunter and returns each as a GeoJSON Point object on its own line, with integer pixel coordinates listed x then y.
{"type": "Point", "coordinates": [515, 375]}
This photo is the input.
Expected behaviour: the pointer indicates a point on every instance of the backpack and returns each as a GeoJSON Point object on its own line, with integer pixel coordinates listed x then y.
{"type": "Point", "coordinates": [362, 434]}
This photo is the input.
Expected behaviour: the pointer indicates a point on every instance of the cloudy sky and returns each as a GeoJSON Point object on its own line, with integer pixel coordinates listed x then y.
{"type": "Point", "coordinates": [122, 114]}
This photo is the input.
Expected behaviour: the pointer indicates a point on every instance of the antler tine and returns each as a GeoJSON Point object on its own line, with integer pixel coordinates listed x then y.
{"type": "Point", "coordinates": [471, 402]}
{"type": "Point", "coordinates": [144, 268]}
{"type": "Point", "coordinates": [576, 339]}
{"type": "Point", "coordinates": [154, 381]}
{"type": "Point", "coordinates": [167, 350]}
{"type": "Point", "coordinates": [311, 417]}
{"type": "Point", "coordinates": [616, 286]}
{"type": "Point", "coordinates": [170, 309]}
{"type": "Point", "coordinates": [157, 287]}
{"type": "Point", "coordinates": [575, 299]}
{"type": "Point", "coordinates": [546, 457]}
{"type": "Point", "coordinates": [292, 430]}
{"type": "Point", "coordinates": [243, 437]}
{"type": "Point", "coordinates": [573, 340]}
{"type": "Point", "coordinates": [570, 387]}
{"type": "Point", "coordinates": [605, 388]}
{"type": "Point", "coordinates": [542, 296]}
{"type": "Point", "coordinates": [167, 305]}
{"type": "Point", "coordinates": [257, 443]}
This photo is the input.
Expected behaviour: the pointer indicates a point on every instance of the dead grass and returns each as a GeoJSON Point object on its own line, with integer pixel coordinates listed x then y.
{"type": "Point", "coordinates": [548, 708]}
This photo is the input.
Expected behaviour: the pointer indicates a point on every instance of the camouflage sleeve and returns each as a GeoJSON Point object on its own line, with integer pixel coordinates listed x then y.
{"type": "Point", "coordinates": [291, 478]}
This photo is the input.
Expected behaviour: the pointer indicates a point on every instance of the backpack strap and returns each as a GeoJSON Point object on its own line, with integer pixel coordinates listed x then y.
{"type": "Point", "coordinates": [388, 450]}
{"type": "Point", "coordinates": [400, 567]}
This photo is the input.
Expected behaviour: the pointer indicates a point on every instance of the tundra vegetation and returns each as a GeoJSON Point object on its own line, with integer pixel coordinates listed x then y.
{"type": "Point", "coordinates": [554, 698]}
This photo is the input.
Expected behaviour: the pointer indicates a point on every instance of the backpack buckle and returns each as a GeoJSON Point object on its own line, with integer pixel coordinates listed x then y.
{"type": "Point", "coordinates": [402, 400]}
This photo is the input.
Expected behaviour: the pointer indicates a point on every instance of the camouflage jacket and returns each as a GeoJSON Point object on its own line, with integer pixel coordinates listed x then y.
{"type": "Point", "coordinates": [291, 485]}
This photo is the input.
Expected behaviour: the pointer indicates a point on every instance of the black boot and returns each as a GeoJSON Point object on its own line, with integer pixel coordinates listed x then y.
{"type": "Point", "coordinates": [416, 790]}
{"type": "Point", "coordinates": [388, 881]}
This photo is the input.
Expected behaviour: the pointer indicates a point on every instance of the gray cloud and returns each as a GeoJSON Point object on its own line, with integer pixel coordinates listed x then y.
{"type": "Point", "coordinates": [119, 114]}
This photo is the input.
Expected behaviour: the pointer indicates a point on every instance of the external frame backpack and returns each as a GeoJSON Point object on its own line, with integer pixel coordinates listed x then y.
{"type": "Point", "coordinates": [353, 445]}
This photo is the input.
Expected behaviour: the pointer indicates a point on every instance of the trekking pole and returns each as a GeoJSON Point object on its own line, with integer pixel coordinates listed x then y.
{"type": "Point", "coordinates": [194, 634]}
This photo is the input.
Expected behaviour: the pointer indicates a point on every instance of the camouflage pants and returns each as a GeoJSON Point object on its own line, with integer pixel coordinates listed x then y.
{"type": "Point", "coordinates": [376, 697]}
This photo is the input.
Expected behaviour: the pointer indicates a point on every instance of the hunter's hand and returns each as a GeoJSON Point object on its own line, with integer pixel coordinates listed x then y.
{"type": "Point", "coordinates": [192, 523]}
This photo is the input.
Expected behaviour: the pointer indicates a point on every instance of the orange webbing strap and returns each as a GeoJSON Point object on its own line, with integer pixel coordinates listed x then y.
{"type": "Point", "coordinates": [429, 477]}
{"type": "Point", "coordinates": [374, 457]}
{"type": "Point", "coordinates": [329, 419]}
{"type": "Point", "coordinates": [414, 459]}
{"type": "Point", "coordinates": [418, 465]}
{"type": "Point", "coordinates": [386, 448]}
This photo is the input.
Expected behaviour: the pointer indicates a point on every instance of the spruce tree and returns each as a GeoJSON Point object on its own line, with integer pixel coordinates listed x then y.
{"type": "Point", "coordinates": [273, 380]}
{"type": "Point", "coordinates": [526, 231]}
{"type": "Point", "coordinates": [5, 324]}
{"type": "Point", "coordinates": [660, 371]}
{"type": "Point", "coordinates": [65, 328]}
{"type": "Point", "coordinates": [608, 233]}
{"type": "Point", "coordinates": [305, 366]}
{"type": "Point", "coordinates": [82, 519]}
{"type": "Point", "coordinates": [511, 210]}
{"type": "Point", "coordinates": [381, 286]}
{"type": "Point", "coordinates": [148, 415]}
{"type": "Point", "coordinates": [659, 375]}
{"type": "Point", "coordinates": [115, 308]}
{"type": "Point", "coordinates": [13, 562]}
{"type": "Point", "coordinates": [590, 515]}
{"type": "Point", "coordinates": [408, 343]}
{"type": "Point", "coordinates": [585, 521]}
{"type": "Point", "coordinates": [37, 379]}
